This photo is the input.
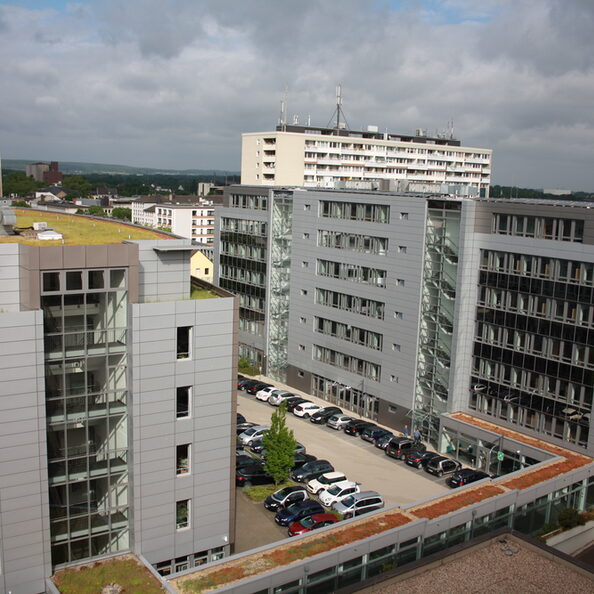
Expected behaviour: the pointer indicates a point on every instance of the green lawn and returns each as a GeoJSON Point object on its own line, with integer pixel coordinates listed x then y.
{"type": "Point", "coordinates": [202, 294]}
{"type": "Point", "coordinates": [78, 230]}
{"type": "Point", "coordinates": [126, 571]}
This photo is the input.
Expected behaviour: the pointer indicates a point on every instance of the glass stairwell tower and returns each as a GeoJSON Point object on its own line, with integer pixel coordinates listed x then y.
{"type": "Point", "coordinates": [440, 269]}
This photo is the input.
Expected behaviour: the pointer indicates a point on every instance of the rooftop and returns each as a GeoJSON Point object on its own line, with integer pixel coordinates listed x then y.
{"type": "Point", "coordinates": [504, 560]}
{"type": "Point", "coordinates": [78, 230]}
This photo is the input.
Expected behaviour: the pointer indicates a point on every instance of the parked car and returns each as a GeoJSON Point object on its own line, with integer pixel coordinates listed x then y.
{"type": "Point", "coordinates": [265, 393]}
{"type": "Point", "coordinates": [382, 441]}
{"type": "Point", "coordinates": [293, 402]}
{"type": "Point", "coordinates": [257, 446]}
{"type": "Point", "coordinates": [253, 474]}
{"type": "Point", "coordinates": [324, 414]}
{"type": "Point", "coordinates": [373, 433]}
{"type": "Point", "coordinates": [251, 434]}
{"type": "Point", "coordinates": [247, 460]}
{"type": "Point", "coordinates": [324, 481]}
{"type": "Point", "coordinates": [299, 449]}
{"type": "Point", "coordinates": [356, 427]}
{"type": "Point", "coordinates": [240, 418]}
{"type": "Point", "coordinates": [285, 497]}
{"type": "Point", "coordinates": [358, 504]}
{"type": "Point", "coordinates": [419, 459]}
{"type": "Point", "coordinates": [399, 447]}
{"type": "Point", "coordinates": [466, 476]}
{"type": "Point", "coordinates": [242, 381]}
{"type": "Point", "coordinates": [337, 492]}
{"type": "Point", "coordinates": [294, 512]}
{"type": "Point", "coordinates": [311, 470]}
{"type": "Point", "coordinates": [306, 409]}
{"type": "Point", "coordinates": [241, 427]}
{"type": "Point", "coordinates": [441, 465]}
{"type": "Point", "coordinates": [338, 421]}
{"type": "Point", "coordinates": [281, 396]}
{"type": "Point", "coordinates": [247, 383]}
{"type": "Point", "coordinates": [310, 523]}
{"type": "Point", "coordinates": [253, 389]}
{"type": "Point", "coordinates": [301, 459]}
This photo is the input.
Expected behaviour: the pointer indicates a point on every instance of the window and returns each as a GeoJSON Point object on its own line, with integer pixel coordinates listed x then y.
{"type": "Point", "coordinates": [398, 315]}
{"type": "Point", "coordinates": [305, 264]}
{"type": "Point", "coordinates": [74, 280]}
{"type": "Point", "coordinates": [400, 282]}
{"type": "Point", "coordinates": [184, 334]}
{"type": "Point", "coordinates": [182, 402]}
{"type": "Point", "coordinates": [306, 236]}
{"type": "Point", "coordinates": [96, 279]}
{"type": "Point", "coordinates": [301, 347]}
{"type": "Point", "coordinates": [304, 291]}
{"type": "Point", "coordinates": [302, 320]}
{"type": "Point", "coordinates": [396, 347]}
{"type": "Point", "coordinates": [206, 270]}
{"type": "Point", "coordinates": [51, 281]}
{"type": "Point", "coordinates": [394, 378]}
{"type": "Point", "coordinates": [182, 459]}
{"type": "Point", "coordinates": [404, 216]}
{"type": "Point", "coordinates": [182, 514]}
{"type": "Point", "coordinates": [402, 249]}
{"type": "Point", "coordinates": [307, 207]}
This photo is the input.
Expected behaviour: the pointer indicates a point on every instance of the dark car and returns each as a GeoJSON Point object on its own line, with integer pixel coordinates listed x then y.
{"type": "Point", "coordinates": [301, 459]}
{"type": "Point", "coordinates": [296, 511]}
{"type": "Point", "coordinates": [246, 460]}
{"type": "Point", "coordinates": [257, 446]}
{"type": "Point", "coordinates": [240, 418]}
{"type": "Point", "coordinates": [241, 380]}
{"type": "Point", "coordinates": [253, 474]}
{"type": "Point", "coordinates": [323, 415]}
{"type": "Point", "coordinates": [285, 497]}
{"type": "Point", "coordinates": [241, 427]}
{"type": "Point", "coordinates": [310, 523]}
{"type": "Point", "coordinates": [401, 446]}
{"type": "Point", "coordinates": [245, 383]}
{"type": "Point", "coordinates": [356, 427]}
{"type": "Point", "coordinates": [441, 465]}
{"type": "Point", "coordinates": [293, 402]}
{"type": "Point", "coordinates": [253, 388]}
{"type": "Point", "coordinates": [311, 470]}
{"type": "Point", "coordinates": [373, 433]}
{"type": "Point", "coordinates": [382, 441]}
{"type": "Point", "coordinates": [419, 459]}
{"type": "Point", "coordinates": [466, 476]}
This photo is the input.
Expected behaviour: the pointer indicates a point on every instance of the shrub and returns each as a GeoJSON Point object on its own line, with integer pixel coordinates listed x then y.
{"type": "Point", "coordinates": [570, 518]}
{"type": "Point", "coordinates": [245, 366]}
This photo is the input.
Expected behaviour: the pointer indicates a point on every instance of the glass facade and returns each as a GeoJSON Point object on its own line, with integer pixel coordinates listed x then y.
{"type": "Point", "coordinates": [440, 271]}
{"type": "Point", "coordinates": [86, 377]}
{"type": "Point", "coordinates": [533, 362]}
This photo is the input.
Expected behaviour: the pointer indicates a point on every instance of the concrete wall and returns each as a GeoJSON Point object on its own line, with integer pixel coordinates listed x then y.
{"type": "Point", "coordinates": [24, 508]}
{"type": "Point", "coordinates": [156, 373]}
{"type": "Point", "coordinates": [10, 274]}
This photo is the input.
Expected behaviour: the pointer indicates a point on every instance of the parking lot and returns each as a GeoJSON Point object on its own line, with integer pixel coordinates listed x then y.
{"type": "Point", "coordinates": [398, 483]}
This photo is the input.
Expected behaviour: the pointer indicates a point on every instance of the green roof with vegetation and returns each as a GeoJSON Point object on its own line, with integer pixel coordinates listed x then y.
{"type": "Point", "coordinates": [77, 230]}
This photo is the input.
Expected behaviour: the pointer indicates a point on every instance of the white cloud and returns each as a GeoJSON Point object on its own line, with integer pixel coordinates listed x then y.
{"type": "Point", "coordinates": [174, 83]}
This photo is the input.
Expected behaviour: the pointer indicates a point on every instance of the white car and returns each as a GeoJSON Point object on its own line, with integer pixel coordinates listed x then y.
{"type": "Point", "coordinates": [251, 434]}
{"type": "Point", "coordinates": [337, 492]}
{"type": "Point", "coordinates": [265, 393]}
{"type": "Point", "coordinates": [306, 409]}
{"type": "Point", "coordinates": [279, 397]}
{"type": "Point", "coordinates": [323, 482]}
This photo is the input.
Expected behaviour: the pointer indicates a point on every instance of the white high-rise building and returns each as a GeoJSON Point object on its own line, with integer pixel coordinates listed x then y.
{"type": "Point", "coordinates": [294, 155]}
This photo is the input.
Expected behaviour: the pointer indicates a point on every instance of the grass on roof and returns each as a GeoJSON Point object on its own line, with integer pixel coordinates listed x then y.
{"type": "Point", "coordinates": [202, 294]}
{"type": "Point", "coordinates": [77, 230]}
{"type": "Point", "coordinates": [126, 571]}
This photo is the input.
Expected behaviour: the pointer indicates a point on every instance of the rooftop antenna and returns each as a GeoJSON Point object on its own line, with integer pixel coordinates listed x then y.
{"type": "Point", "coordinates": [338, 112]}
{"type": "Point", "coordinates": [283, 110]}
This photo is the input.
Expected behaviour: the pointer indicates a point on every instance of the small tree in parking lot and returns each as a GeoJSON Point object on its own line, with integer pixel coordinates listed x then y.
{"type": "Point", "coordinates": [279, 443]}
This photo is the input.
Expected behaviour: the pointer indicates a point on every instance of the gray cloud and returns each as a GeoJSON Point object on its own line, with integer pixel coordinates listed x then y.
{"type": "Point", "coordinates": [174, 83]}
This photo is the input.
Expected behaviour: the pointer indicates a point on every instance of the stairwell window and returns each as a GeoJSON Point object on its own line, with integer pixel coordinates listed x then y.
{"type": "Point", "coordinates": [182, 514]}
{"type": "Point", "coordinates": [182, 402]}
{"type": "Point", "coordinates": [184, 342]}
{"type": "Point", "coordinates": [182, 459]}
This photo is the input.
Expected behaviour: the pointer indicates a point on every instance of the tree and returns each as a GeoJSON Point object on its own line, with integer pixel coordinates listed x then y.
{"type": "Point", "coordinates": [279, 443]}
{"type": "Point", "coordinates": [77, 185]}
{"type": "Point", "coordinates": [96, 210]}
{"type": "Point", "coordinates": [125, 214]}
{"type": "Point", "coordinates": [16, 182]}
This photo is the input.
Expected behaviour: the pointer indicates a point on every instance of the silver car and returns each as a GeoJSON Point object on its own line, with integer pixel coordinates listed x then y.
{"type": "Point", "coordinates": [338, 421]}
{"type": "Point", "coordinates": [280, 396]}
{"type": "Point", "coordinates": [251, 434]}
{"type": "Point", "coordinates": [358, 504]}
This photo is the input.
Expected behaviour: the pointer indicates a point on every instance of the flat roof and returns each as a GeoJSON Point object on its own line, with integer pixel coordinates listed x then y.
{"type": "Point", "coordinates": [79, 230]}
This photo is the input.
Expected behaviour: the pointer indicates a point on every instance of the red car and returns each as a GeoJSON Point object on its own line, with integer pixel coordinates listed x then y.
{"type": "Point", "coordinates": [311, 523]}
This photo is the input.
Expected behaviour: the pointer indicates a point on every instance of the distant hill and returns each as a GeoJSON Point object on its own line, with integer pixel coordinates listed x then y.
{"type": "Point", "coordinates": [76, 168]}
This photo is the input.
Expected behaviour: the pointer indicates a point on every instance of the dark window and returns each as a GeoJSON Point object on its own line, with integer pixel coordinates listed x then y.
{"type": "Point", "coordinates": [183, 342]}
{"type": "Point", "coordinates": [182, 403]}
{"type": "Point", "coordinates": [51, 281]}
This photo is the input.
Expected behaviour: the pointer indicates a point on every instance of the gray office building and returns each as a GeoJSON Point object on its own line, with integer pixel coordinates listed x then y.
{"type": "Point", "coordinates": [403, 307]}
{"type": "Point", "coordinates": [116, 410]}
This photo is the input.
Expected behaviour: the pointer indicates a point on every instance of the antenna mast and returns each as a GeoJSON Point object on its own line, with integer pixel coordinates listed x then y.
{"type": "Point", "coordinates": [338, 111]}
{"type": "Point", "coordinates": [283, 110]}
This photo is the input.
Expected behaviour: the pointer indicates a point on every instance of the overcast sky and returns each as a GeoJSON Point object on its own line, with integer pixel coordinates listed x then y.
{"type": "Point", "coordinates": [174, 83]}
